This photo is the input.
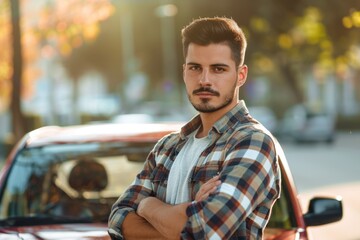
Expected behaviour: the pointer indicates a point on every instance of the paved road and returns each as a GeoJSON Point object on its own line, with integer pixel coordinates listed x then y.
{"type": "Point", "coordinates": [331, 170]}
{"type": "Point", "coordinates": [316, 165]}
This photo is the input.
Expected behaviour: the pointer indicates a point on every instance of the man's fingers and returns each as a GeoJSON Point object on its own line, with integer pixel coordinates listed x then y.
{"type": "Point", "coordinates": [209, 185]}
{"type": "Point", "coordinates": [211, 182]}
{"type": "Point", "coordinates": [207, 188]}
{"type": "Point", "coordinates": [204, 193]}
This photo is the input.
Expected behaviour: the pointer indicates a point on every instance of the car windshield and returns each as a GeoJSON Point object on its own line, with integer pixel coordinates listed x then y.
{"type": "Point", "coordinates": [72, 181]}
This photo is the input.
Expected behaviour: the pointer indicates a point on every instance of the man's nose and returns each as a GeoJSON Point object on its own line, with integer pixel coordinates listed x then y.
{"type": "Point", "coordinates": [205, 78]}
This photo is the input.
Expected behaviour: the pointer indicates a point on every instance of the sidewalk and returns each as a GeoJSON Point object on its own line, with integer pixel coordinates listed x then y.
{"type": "Point", "coordinates": [348, 228]}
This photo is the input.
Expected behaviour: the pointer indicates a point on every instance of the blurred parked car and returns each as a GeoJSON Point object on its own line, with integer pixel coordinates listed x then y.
{"type": "Point", "coordinates": [305, 125]}
{"type": "Point", "coordinates": [60, 183]}
{"type": "Point", "coordinates": [266, 117]}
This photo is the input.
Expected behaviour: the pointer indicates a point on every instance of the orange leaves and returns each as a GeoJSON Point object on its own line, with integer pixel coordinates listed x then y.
{"type": "Point", "coordinates": [49, 29]}
{"type": "Point", "coordinates": [91, 31]}
{"type": "Point", "coordinates": [5, 55]}
{"type": "Point", "coordinates": [68, 24]}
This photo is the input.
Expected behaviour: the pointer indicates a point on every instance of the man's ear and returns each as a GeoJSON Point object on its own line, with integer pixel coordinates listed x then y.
{"type": "Point", "coordinates": [242, 75]}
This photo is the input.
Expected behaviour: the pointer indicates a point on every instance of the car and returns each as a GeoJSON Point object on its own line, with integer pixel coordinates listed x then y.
{"type": "Point", "coordinates": [60, 183]}
{"type": "Point", "coordinates": [266, 116]}
{"type": "Point", "coordinates": [304, 124]}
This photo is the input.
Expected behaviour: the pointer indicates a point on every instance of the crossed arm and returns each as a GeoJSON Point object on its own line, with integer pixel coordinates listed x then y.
{"type": "Point", "coordinates": [155, 219]}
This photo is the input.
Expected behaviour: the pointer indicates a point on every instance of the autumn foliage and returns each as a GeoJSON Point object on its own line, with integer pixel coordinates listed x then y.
{"type": "Point", "coordinates": [49, 29]}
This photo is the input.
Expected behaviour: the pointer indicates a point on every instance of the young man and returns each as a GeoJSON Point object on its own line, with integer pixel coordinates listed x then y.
{"type": "Point", "coordinates": [218, 178]}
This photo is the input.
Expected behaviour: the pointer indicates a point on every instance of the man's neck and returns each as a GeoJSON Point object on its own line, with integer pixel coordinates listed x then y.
{"type": "Point", "coordinates": [209, 119]}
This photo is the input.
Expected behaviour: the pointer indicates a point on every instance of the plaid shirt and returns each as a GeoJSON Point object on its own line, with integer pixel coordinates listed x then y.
{"type": "Point", "coordinates": [242, 151]}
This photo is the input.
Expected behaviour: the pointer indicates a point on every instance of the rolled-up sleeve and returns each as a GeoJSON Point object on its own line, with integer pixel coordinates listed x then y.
{"type": "Point", "coordinates": [130, 199]}
{"type": "Point", "coordinates": [250, 185]}
{"type": "Point", "coordinates": [145, 184]}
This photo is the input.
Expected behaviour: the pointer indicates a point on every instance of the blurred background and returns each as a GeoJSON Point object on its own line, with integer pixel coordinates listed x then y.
{"type": "Point", "coordinates": [75, 62]}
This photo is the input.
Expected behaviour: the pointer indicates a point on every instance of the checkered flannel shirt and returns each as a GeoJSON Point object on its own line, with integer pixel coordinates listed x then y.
{"type": "Point", "coordinates": [242, 151]}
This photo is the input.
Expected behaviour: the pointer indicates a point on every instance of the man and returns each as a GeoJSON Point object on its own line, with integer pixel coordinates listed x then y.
{"type": "Point", "coordinates": [218, 178]}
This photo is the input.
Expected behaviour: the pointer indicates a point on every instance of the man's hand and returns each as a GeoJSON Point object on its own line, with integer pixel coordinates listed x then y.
{"type": "Point", "coordinates": [169, 220]}
{"type": "Point", "coordinates": [135, 227]}
{"type": "Point", "coordinates": [207, 188]}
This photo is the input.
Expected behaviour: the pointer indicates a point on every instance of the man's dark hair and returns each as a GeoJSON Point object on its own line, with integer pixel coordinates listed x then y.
{"type": "Point", "coordinates": [204, 31]}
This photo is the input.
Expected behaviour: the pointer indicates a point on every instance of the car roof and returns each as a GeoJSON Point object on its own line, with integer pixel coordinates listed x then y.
{"type": "Point", "coordinates": [138, 132]}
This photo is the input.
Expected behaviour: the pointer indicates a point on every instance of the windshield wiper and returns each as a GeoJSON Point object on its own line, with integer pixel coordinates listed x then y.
{"type": "Point", "coordinates": [41, 220]}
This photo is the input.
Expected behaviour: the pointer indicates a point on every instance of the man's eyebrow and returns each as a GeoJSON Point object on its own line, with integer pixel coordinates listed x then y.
{"type": "Point", "coordinates": [212, 65]}
{"type": "Point", "coordinates": [193, 63]}
{"type": "Point", "coordinates": [219, 65]}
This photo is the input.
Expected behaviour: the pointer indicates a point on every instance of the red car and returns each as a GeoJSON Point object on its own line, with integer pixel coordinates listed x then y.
{"type": "Point", "coordinates": [60, 183]}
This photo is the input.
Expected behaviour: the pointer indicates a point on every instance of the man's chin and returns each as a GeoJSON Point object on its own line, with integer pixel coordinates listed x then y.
{"type": "Point", "coordinates": [206, 108]}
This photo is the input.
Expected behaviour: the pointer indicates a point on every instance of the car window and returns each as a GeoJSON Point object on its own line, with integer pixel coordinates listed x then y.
{"type": "Point", "coordinates": [282, 215]}
{"type": "Point", "coordinates": [77, 180]}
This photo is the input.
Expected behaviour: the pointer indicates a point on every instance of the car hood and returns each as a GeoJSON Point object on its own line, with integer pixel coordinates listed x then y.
{"type": "Point", "coordinates": [63, 231]}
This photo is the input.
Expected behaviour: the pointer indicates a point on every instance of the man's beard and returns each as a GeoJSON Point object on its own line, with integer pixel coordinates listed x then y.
{"type": "Point", "coordinates": [205, 107]}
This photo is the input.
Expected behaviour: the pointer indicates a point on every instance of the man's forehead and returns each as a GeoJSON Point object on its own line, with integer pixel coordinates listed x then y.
{"type": "Point", "coordinates": [212, 54]}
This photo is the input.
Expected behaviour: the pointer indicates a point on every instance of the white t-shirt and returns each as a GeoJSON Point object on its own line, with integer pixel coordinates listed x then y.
{"type": "Point", "coordinates": [178, 182]}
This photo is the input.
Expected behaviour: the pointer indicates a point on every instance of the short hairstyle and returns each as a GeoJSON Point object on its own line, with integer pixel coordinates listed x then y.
{"type": "Point", "coordinates": [204, 31]}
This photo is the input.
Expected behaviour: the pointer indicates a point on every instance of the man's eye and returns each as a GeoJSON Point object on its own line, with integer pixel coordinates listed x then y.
{"type": "Point", "coordinates": [219, 69]}
{"type": "Point", "coordinates": [194, 68]}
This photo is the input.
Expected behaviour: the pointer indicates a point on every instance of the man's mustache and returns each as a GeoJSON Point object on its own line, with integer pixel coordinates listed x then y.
{"type": "Point", "coordinates": [209, 90]}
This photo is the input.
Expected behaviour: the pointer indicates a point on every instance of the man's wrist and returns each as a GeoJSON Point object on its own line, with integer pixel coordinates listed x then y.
{"type": "Point", "coordinates": [144, 206]}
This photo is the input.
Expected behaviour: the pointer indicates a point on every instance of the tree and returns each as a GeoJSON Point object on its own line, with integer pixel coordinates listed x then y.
{"type": "Point", "coordinates": [51, 28]}
{"type": "Point", "coordinates": [17, 116]}
{"type": "Point", "coordinates": [289, 40]}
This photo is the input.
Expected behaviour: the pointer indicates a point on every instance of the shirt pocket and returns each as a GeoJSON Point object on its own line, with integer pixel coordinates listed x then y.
{"type": "Point", "coordinates": [159, 179]}
{"type": "Point", "coordinates": [202, 174]}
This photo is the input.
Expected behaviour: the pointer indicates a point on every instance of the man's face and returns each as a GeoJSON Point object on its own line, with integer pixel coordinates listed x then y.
{"type": "Point", "coordinates": [212, 78]}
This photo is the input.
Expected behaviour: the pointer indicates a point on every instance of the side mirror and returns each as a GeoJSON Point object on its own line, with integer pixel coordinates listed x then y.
{"type": "Point", "coordinates": [323, 211]}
